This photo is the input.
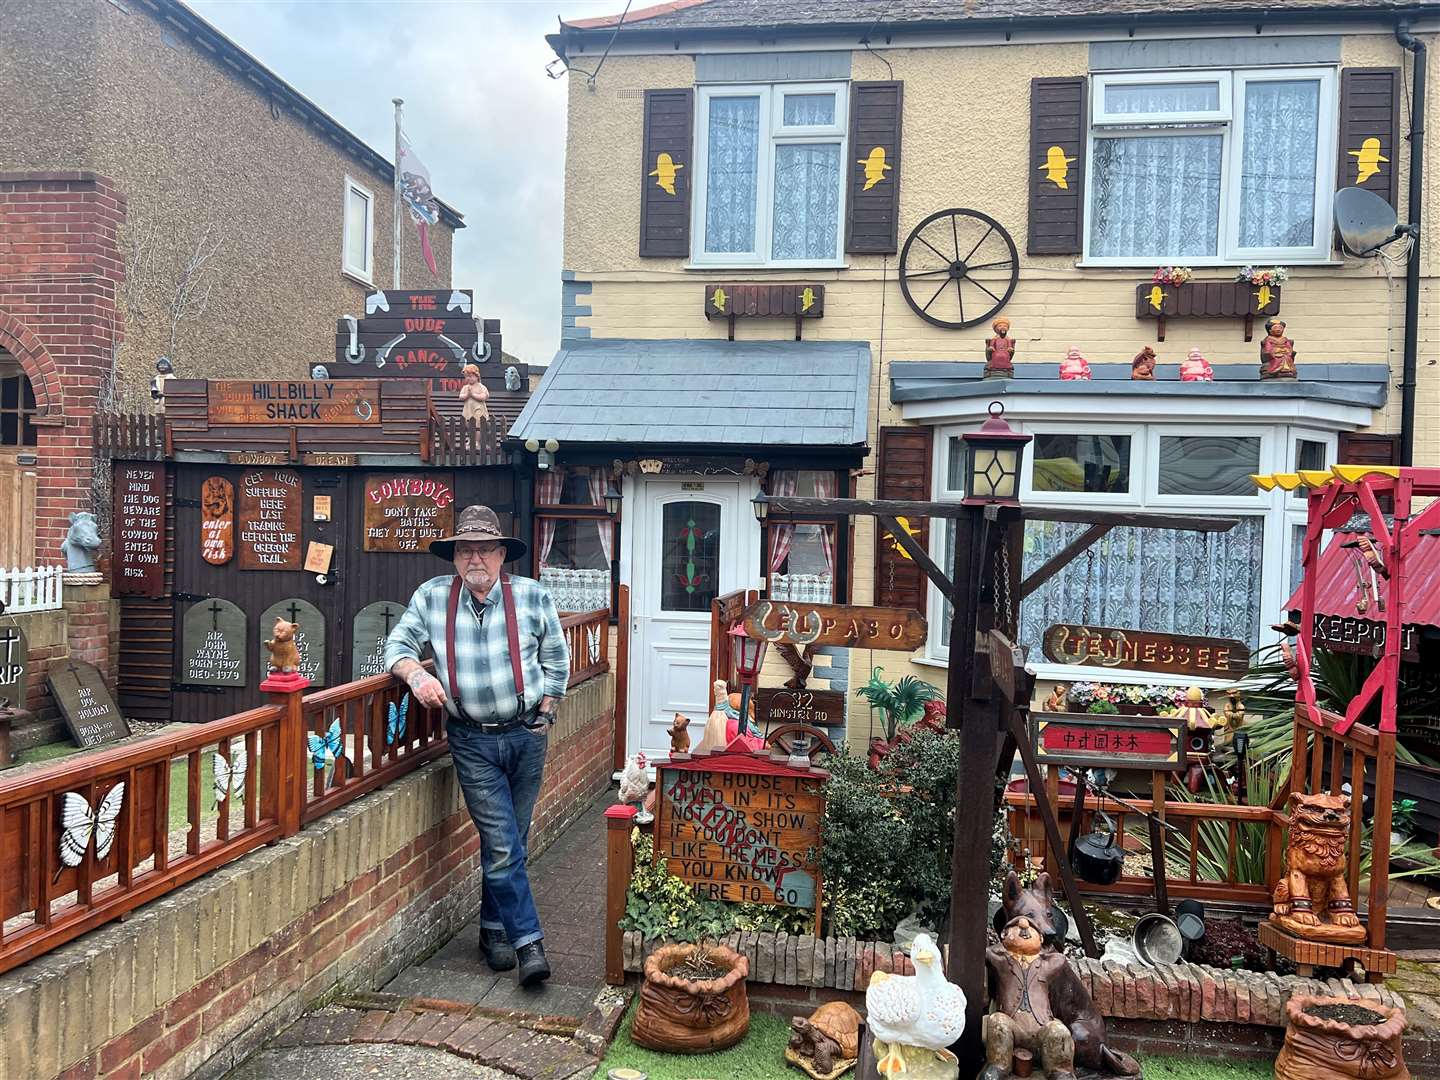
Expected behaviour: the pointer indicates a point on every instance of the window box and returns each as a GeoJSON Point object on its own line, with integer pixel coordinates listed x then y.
{"type": "Point", "coordinates": [1206, 300]}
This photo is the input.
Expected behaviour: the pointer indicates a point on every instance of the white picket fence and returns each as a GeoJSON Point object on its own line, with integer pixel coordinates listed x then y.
{"type": "Point", "coordinates": [32, 589]}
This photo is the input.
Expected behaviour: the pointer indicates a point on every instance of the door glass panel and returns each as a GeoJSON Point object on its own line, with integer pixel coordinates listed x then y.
{"type": "Point", "coordinates": [690, 564]}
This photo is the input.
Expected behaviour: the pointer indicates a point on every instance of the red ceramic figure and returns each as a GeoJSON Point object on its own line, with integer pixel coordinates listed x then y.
{"type": "Point", "coordinates": [1277, 352]}
{"type": "Point", "coordinates": [1000, 352]}
{"type": "Point", "coordinates": [1074, 366]}
{"type": "Point", "coordinates": [1142, 368]}
{"type": "Point", "coordinates": [1195, 368]}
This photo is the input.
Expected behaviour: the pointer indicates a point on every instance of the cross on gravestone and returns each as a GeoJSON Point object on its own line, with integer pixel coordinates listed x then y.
{"type": "Point", "coordinates": [215, 609]}
{"type": "Point", "coordinates": [9, 640]}
{"type": "Point", "coordinates": [387, 615]}
{"type": "Point", "coordinates": [294, 610]}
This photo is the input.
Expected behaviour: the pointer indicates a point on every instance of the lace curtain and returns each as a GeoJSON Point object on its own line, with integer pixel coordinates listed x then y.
{"type": "Point", "coordinates": [1277, 170]}
{"type": "Point", "coordinates": [1122, 98]}
{"type": "Point", "coordinates": [604, 526]}
{"type": "Point", "coordinates": [1156, 196]}
{"type": "Point", "coordinates": [807, 200]}
{"type": "Point", "coordinates": [783, 483]}
{"type": "Point", "coordinates": [548, 487]}
{"type": "Point", "coordinates": [732, 173]}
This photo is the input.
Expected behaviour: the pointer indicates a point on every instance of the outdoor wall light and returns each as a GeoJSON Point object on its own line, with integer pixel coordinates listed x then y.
{"type": "Point", "coordinates": [994, 455]}
{"type": "Point", "coordinates": [612, 500]}
{"type": "Point", "coordinates": [761, 506]}
{"type": "Point", "coordinates": [544, 452]}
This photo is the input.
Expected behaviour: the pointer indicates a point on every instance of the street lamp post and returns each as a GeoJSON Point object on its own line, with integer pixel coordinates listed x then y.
{"type": "Point", "coordinates": [747, 655]}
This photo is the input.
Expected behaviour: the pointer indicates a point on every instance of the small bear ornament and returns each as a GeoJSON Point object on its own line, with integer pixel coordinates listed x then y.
{"type": "Point", "coordinates": [284, 656]}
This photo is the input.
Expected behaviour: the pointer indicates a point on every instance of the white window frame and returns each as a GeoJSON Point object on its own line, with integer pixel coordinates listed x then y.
{"type": "Point", "coordinates": [772, 111]}
{"type": "Point", "coordinates": [364, 273]}
{"type": "Point", "coordinates": [1229, 123]}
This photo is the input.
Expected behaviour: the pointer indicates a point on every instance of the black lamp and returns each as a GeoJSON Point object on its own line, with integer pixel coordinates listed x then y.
{"type": "Point", "coordinates": [612, 501]}
{"type": "Point", "coordinates": [993, 456]}
{"type": "Point", "coordinates": [761, 505]}
{"type": "Point", "coordinates": [747, 655]}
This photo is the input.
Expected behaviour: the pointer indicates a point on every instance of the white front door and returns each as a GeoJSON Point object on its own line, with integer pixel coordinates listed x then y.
{"type": "Point", "coordinates": [686, 542]}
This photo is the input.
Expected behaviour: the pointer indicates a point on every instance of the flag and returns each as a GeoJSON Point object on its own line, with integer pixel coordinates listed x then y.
{"type": "Point", "coordinates": [414, 181]}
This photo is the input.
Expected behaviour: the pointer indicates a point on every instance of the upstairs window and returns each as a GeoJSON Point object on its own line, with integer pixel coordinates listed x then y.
{"type": "Point", "coordinates": [771, 167]}
{"type": "Point", "coordinates": [17, 404]}
{"type": "Point", "coordinates": [358, 258]}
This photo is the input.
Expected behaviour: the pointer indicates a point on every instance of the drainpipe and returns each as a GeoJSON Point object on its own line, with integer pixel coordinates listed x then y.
{"type": "Point", "coordinates": [1414, 203]}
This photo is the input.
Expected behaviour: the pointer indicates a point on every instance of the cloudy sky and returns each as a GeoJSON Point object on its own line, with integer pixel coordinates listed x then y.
{"type": "Point", "coordinates": [479, 110]}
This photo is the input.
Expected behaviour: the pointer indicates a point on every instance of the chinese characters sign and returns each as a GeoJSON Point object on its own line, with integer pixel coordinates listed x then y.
{"type": "Point", "coordinates": [1145, 650]}
{"type": "Point", "coordinates": [1087, 740]}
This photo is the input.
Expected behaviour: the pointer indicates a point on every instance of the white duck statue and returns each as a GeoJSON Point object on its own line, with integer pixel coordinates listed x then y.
{"type": "Point", "coordinates": [914, 1012]}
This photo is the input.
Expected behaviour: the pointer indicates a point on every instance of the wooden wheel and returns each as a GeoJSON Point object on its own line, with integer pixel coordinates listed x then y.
{"type": "Point", "coordinates": [962, 267]}
{"type": "Point", "coordinates": [789, 736]}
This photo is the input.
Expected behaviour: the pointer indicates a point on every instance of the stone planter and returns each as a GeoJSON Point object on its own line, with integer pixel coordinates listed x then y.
{"type": "Point", "coordinates": [1317, 1048]}
{"type": "Point", "coordinates": [685, 1016]}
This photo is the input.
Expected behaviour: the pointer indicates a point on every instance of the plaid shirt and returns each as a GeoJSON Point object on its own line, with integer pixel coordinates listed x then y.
{"type": "Point", "coordinates": [482, 663]}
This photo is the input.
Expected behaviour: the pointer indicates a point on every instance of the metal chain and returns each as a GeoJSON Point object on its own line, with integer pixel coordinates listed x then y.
{"type": "Point", "coordinates": [1005, 605]}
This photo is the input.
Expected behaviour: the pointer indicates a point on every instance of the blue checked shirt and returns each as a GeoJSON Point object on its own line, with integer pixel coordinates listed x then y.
{"type": "Point", "coordinates": [482, 661]}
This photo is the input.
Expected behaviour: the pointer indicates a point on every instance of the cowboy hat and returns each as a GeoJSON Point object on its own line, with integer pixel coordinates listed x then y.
{"type": "Point", "coordinates": [478, 523]}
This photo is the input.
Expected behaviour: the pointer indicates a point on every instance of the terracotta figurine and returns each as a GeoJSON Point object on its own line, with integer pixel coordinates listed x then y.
{"type": "Point", "coordinates": [1056, 701]}
{"type": "Point", "coordinates": [284, 656]}
{"type": "Point", "coordinates": [1234, 710]}
{"type": "Point", "coordinates": [1195, 368]}
{"type": "Point", "coordinates": [1074, 366]}
{"type": "Point", "coordinates": [473, 394]}
{"type": "Point", "coordinates": [826, 1041]}
{"type": "Point", "coordinates": [1020, 973]}
{"type": "Point", "coordinates": [1277, 352]}
{"type": "Point", "coordinates": [1142, 368]}
{"type": "Point", "coordinates": [679, 737]}
{"type": "Point", "coordinates": [1312, 900]}
{"type": "Point", "coordinates": [1000, 352]}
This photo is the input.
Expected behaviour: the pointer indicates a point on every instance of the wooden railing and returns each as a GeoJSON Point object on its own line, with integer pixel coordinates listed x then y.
{"type": "Point", "coordinates": [457, 441]}
{"type": "Point", "coordinates": [587, 633]}
{"type": "Point", "coordinates": [137, 436]}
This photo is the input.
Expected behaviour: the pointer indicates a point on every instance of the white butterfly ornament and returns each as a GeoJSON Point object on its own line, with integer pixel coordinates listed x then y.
{"type": "Point", "coordinates": [230, 775]}
{"type": "Point", "coordinates": [79, 823]}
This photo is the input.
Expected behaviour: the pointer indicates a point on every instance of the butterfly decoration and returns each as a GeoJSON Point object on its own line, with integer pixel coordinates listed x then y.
{"type": "Point", "coordinates": [230, 775]}
{"type": "Point", "coordinates": [78, 823]}
{"type": "Point", "coordinates": [395, 724]}
{"type": "Point", "coordinates": [327, 745]}
{"type": "Point", "coordinates": [592, 643]}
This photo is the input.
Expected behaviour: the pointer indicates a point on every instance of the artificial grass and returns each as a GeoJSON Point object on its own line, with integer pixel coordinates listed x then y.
{"type": "Point", "coordinates": [1158, 1068]}
{"type": "Point", "coordinates": [179, 781]}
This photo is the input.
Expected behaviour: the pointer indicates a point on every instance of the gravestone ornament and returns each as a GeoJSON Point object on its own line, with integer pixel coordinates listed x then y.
{"type": "Point", "coordinates": [372, 626]}
{"type": "Point", "coordinates": [213, 644]}
{"type": "Point", "coordinates": [309, 639]}
{"type": "Point", "coordinates": [14, 665]}
{"type": "Point", "coordinates": [85, 703]}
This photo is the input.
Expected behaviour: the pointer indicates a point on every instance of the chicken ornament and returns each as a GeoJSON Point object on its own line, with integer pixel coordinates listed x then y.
{"type": "Point", "coordinates": [915, 1018]}
{"type": "Point", "coordinates": [635, 784]}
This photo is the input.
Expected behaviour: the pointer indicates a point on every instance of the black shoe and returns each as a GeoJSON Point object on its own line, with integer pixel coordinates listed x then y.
{"type": "Point", "coordinates": [533, 967]}
{"type": "Point", "coordinates": [495, 948]}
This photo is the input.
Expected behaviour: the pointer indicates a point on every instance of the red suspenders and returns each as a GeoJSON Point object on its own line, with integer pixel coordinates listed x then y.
{"type": "Point", "coordinates": [512, 634]}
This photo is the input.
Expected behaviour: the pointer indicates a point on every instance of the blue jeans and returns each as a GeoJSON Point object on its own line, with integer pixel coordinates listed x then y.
{"type": "Point", "coordinates": [500, 776]}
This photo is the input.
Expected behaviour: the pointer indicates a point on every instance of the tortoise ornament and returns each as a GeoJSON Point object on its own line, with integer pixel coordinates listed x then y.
{"type": "Point", "coordinates": [826, 1044]}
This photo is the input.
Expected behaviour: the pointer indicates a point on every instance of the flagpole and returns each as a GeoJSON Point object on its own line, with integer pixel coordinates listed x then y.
{"type": "Point", "coordinates": [395, 214]}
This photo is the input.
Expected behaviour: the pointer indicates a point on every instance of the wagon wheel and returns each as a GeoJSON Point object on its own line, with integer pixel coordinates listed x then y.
{"type": "Point", "coordinates": [788, 736]}
{"type": "Point", "coordinates": [962, 265]}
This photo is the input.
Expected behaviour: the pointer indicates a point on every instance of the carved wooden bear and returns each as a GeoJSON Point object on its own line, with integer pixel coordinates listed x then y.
{"type": "Point", "coordinates": [284, 656]}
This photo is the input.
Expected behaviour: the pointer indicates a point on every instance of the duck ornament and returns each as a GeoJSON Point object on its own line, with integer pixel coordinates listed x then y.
{"type": "Point", "coordinates": [913, 1019]}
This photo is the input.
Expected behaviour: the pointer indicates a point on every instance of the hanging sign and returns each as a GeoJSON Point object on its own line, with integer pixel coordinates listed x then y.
{"type": "Point", "coordinates": [404, 513]}
{"type": "Point", "coordinates": [309, 636]}
{"type": "Point", "coordinates": [1344, 633]}
{"type": "Point", "coordinates": [86, 704]}
{"type": "Point", "coordinates": [1145, 650]}
{"type": "Point", "coordinates": [781, 622]}
{"type": "Point", "coordinates": [318, 556]}
{"type": "Point", "coordinates": [139, 541]}
{"type": "Point", "coordinates": [212, 644]}
{"type": "Point", "coordinates": [258, 457]}
{"type": "Point", "coordinates": [354, 401]}
{"type": "Point", "coordinates": [372, 626]}
{"type": "Point", "coordinates": [269, 524]}
{"type": "Point", "coordinates": [818, 708]}
{"type": "Point", "coordinates": [1089, 740]}
{"type": "Point", "coordinates": [217, 523]}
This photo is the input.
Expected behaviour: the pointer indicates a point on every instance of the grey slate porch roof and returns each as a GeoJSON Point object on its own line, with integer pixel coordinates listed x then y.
{"type": "Point", "coordinates": [680, 392]}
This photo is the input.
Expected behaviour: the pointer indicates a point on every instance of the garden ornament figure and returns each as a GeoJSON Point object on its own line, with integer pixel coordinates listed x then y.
{"type": "Point", "coordinates": [1074, 366]}
{"type": "Point", "coordinates": [827, 1043]}
{"type": "Point", "coordinates": [512, 378]}
{"type": "Point", "coordinates": [284, 653]}
{"type": "Point", "coordinates": [1142, 368]}
{"type": "Point", "coordinates": [1195, 368]}
{"type": "Point", "coordinates": [1021, 970]}
{"type": "Point", "coordinates": [1000, 351]}
{"type": "Point", "coordinates": [473, 394]}
{"type": "Point", "coordinates": [81, 543]}
{"type": "Point", "coordinates": [1312, 899]}
{"type": "Point", "coordinates": [1277, 352]}
{"type": "Point", "coordinates": [915, 1017]}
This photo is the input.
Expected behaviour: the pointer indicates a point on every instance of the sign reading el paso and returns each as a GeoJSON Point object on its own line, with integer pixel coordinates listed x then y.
{"type": "Point", "coordinates": [354, 401]}
{"type": "Point", "coordinates": [783, 623]}
{"type": "Point", "coordinates": [1144, 650]}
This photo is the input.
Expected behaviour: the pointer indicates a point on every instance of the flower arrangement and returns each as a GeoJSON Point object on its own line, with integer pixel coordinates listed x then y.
{"type": "Point", "coordinates": [1084, 695]}
{"type": "Point", "coordinates": [1172, 275]}
{"type": "Point", "coordinates": [1259, 275]}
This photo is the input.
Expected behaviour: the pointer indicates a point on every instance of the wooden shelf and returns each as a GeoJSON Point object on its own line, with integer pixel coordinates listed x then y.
{"type": "Point", "coordinates": [1205, 300]}
{"type": "Point", "coordinates": [1308, 955]}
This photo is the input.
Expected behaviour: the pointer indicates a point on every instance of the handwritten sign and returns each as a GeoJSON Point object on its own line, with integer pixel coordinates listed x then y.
{"type": "Point", "coordinates": [734, 834]}
{"type": "Point", "coordinates": [309, 638]}
{"type": "Point", "coordinates": [139, 541]}
{"type": "Point", "coordinates": [270, 520]}
{"type": "Point", "coordinates": [318, 556]}
{"type": "Point", "coordinates": [212, 644]}
{"type": "Point", "coordinates": [1145, 650]}
{"type": "Point", "coordinates": [783, 623]}
{"type": "Point", "coordinates": [1110, 742]}
{"type": "Point", "coordinates": [404, 513]}
{"type": "Point", "coordinates": [372, 626]}
{"type": "Point", "coordinates": [86, 704]}
{"type": "Point", "coordinates": [818, 708]}
{"type": "Point", "coordinates": [354, 401]}
{"type": "Point", "coordinates": [217, 521]}
{"type": "Point", "coordinates": [1342, 633]}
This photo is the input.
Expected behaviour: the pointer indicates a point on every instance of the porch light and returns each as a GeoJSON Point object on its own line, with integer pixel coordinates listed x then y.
{"type": "Point", "coordinates": [761, 505]}
{"type": "Point", "coordinates": [612, 500]}
{"type": "Point", "coordinates": [994, 455]}
{"type": "Point", "coordinates": [544, 452]}
{"type": "Point", "coordinates": [748, 657]}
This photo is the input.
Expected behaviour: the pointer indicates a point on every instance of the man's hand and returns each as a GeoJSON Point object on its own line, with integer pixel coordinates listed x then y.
{"type": "Point", "coordinates": [423, 685]}
{"type": "Point", "coordinates": [547, 704]}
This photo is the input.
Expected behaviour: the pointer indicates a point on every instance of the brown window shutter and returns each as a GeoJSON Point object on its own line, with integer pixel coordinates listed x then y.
{"type": "Point", "coordinates": [1370, 109]}
{"type": "Point", "coordinates": [1368, 448]}
{"type": "Point", "coordinates": [665, 169]}
{"type": "Point", "coordinates": [873, 201]}
{"type": "Point", "coordinates": [904, 473]}
{"type": "Point", "coordinates": [1057, 166]}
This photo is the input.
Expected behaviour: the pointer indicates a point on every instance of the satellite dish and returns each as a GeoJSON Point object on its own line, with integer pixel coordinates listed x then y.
{"type": "Point", "coordinates": [1365, 221]}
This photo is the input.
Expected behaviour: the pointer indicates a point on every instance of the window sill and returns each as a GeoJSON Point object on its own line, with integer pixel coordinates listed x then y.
{"type": "Point", "coordinates": [1126, 266]}
{"type": "Point", "coordinates": [359, 279]}
{"type": "Point", "coordinates": [727, 268]}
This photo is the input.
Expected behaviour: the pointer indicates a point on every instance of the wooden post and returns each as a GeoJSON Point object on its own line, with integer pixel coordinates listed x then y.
{"type": "Point", "coordinates": [622, 673]}
{"type": "Point", "coordinates": [1379, 844]}
{"type": "Point", "coordinates": [287, 692]}
{"type": "Point", "coordinates": [1156, 821]}
{"type": "Point", "coordinates": [620, 866]}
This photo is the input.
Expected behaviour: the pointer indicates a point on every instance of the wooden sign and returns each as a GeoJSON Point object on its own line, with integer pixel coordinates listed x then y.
{"type": "Point", "coordinates": [328, 460]}
{"type": "Point", "coordinates": [269, 523]}
{"type": "Point", "coordinates": [217, 520]}
{"type": "Point", "coordinates": [818, 708]}
{"type": "Point", "coordinates": [372, 626]}
{"type": "Point", "coordinates": [321, 507]}
{"type": "Point", "coordinates": [1344, 633]}
{"type": "Point", "coordinates": [212, 644]}
{"type": "Point", "coordinates": [139, 541]}
{"type": "Point", "coordinates": [735, 827]}
{"type": "Point", "coordinates": [318, 556]}
{"type": "Point", "coordinates": [258, 457]}
{"type": "Point", "coordinates": [784, 623]}
{"type": "Point", "coordinates": [309, 638]}
{"type": "Point", "coordinates": [14, 665]}
{"type": "Point", "coordinates": [1006, 658]}
{"type": "Point", "coordinates": [750, 300]}
{"type": "Point", "coordinates": [85, 703]}
{"type": "Point", "coordinates": [1090, 740]}
{"type": "Point", "coordinates": [1145, 650]}
{"type": "Point", "coordinates": [404, 513]}
{"type": "Point", "coordinates": [353, 401]}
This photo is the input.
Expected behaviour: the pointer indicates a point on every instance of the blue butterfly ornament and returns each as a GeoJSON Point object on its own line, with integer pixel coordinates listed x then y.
{"type": "Point", "coordinates": [395, 725]}
{"type": "Point", "coordinates": [328, 745]}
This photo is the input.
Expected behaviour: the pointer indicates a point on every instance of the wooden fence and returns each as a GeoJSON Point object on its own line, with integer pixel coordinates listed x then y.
{"type": "Point", "coordinates": [587, 633]}
{"type": "Point", "coordinates": [457, 441]}
{"type": "Point", "coordinates": [32, 589]}
{"type": "Point", "coordinates": [136, 436]}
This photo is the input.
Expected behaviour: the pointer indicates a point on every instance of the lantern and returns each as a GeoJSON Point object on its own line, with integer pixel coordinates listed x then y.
{"type": "Point", "coordinates": [747, 655]}
{"type": "Point", "coordinates": [993, 457]}
{"type": "Point", "coordinates": [761, 505]}
{"type": "Point", "coordinates": [612, 501]}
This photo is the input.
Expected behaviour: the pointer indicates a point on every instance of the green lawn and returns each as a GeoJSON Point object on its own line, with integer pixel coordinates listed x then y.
{"type": "Point", "coordinates": [179, 781]}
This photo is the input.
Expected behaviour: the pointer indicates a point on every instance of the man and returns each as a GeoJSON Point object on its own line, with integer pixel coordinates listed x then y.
{"type": "Point", "coordinates": [503, 667]}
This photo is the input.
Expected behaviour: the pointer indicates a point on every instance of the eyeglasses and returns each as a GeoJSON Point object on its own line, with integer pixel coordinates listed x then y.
{"type": "Point", "coordinates": [482, 552]}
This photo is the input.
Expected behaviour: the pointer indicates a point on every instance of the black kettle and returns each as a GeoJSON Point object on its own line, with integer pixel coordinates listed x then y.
{"type": "Point", "coordinates": [1095, 858]}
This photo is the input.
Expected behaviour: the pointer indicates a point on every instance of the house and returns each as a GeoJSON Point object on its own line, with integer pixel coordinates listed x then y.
{"type": "Point", "coordinates": [923, 169]}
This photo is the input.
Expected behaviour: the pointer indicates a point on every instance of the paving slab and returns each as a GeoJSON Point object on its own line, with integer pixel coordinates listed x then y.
{"type": "Point", "coordinates": [362, 1061]}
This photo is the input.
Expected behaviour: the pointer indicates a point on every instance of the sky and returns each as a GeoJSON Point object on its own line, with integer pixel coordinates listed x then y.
{"type": "Point", "coordinates": [480, 111]}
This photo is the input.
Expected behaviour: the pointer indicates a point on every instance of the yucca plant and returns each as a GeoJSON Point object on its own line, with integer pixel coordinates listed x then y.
{"type": "Point", "coordinates": [901, 702]}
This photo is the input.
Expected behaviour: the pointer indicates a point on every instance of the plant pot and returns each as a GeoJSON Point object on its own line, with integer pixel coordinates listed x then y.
{"type": "Point", "coordinates": [1323, 1049]}
{"type": "Point", "coordinates": [688, 1016]}
{"type": "Point", "coordinates": [1128, 708]}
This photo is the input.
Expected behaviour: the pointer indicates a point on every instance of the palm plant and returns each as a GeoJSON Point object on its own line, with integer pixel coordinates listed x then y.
{"type": "Point", "coordinates": [900, 702]}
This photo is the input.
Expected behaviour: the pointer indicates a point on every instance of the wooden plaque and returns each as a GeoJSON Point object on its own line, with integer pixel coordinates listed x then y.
{"type": "Point", "coordinates": [257, 457]}
{"type": "Point", "coordinates": [212, 644]}
{"type": "Point", "coordinates": [353, 401]}
{"type": "Point", "coordinates": [1345, 633]}
{"type": "Point", "coordinates": [269, 520]}
{"type": "Point", "coordinates": [1006, 658]}
{"type": "Point", "coordinates": [372, 626]}
{"type": "Point", "coordinates": [818, 708]}
{"type": "Point", "coordinates": [405, 512]}
{"type": "Point", "coordinates": [1145, 650]}
{"type": "Point", "coordinates": [784, 623]}
{"type": "Point", "coordinates": [14, 664]}
{"type": "Point", "coordinates": [85, 703]}
{"type": "Point", "coordinates": [139, 523]}
{"type": "Point", "coordinates": [309, 638]}
{"type": "Point", "coordinates": [327, 460]}
{"type": "Point", "coordinates": [217, 521]}
{"type": "Point", "coordinates": [1092, 740]}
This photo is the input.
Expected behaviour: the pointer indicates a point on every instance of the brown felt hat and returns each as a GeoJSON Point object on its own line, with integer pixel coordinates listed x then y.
{"type": "Point", "coordinates": [478, 523]}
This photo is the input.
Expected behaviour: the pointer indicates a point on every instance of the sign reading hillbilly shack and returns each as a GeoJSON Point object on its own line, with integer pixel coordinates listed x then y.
{"type": "Point", "coordinates": [139, 542]}
{"type": "Point", "coordinates": [269, 520]}
{"type": "Point", "coordinates": [1145, 650]}
{"type": "Point", "coordinates": [404, 513]}
{"type": "Point", "coordinates": [783, 623]}
{"type": "Point", "coordinates": [310, 402]}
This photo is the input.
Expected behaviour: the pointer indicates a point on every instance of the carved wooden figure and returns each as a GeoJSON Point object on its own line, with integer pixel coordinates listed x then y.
{"type": "Point", "coordinates": [284, 656]}
{"type": "Point", "coordinates": [1142, 368]}
{"type": "Point", "coordinates": [1000, 352]}
{"type": "Point", "coordinates": [1020, 973]}
{"type": "Point", "coordinates": [1056, 701]}
{"type": "Point", "coordinates": [1312, 900]}
{"type": "Point", "coordinates": [1277, 352]}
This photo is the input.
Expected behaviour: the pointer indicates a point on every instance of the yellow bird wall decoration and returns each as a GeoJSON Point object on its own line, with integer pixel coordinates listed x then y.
{"type": "Point", "coordinates": [1367, 159]}
{"type": "Point", "coordinates": [904, 523]}
{"type": "Point", "coordinates": [807, 299]}
{"type": "Point", "coordinates": [1057, 167]}
{"type": "Point", "coordinates": [719, 299]}
{"type": "Point", "coordinates": [875, 167]}
{"type": "Point", "coordinates": [1263, 296]}
{"type": "Point", "coordinates": [1157, 296]}
{"type": "Point", "coordinates": [664, 172]}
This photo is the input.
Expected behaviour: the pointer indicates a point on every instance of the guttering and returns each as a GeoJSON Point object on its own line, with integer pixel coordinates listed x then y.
{"type": "Point", "coordinates": [1415, 200]}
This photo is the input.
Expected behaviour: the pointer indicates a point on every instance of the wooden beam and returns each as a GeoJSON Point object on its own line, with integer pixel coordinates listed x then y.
{"type": "Point", "coordinates": [1134, 519]}
{"type": "Point", "coordinates": [915, 551]}
{"type": "Point", "coordinates": [1062, 559]}
{"type": "Point", "coordinates": [789, 506]}
{"type": "Point", "coordinates": [1130, 519]}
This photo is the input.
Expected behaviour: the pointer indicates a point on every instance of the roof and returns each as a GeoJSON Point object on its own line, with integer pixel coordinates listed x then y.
{"type": "Point", "coordinates": [679, 392]}
{"type": "Point", "coordinates": [212, 43]}
{"type": "Point", "coordinates": [1336, 579]}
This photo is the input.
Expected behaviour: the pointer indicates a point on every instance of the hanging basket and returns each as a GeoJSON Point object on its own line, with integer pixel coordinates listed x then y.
{"type": "Point", "coordinates": [689, 1016]}
{"type": "Point", "coordinates": [1320, 1048]}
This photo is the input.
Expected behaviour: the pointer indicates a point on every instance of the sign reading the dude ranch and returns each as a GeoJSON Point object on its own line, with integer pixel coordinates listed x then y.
{"type": "Point", "coordinates": [1145, 650]}
{"type": "Point", "coordinates": [783, 623]}
{"type": "Point", "coordinates": [735, 827]}
{"type": "Point", "coordinates": [311, 402]}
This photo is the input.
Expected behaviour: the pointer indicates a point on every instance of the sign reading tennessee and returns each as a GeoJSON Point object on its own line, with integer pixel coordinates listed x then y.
{"type": "Point", "coordinates": [354, 401]}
